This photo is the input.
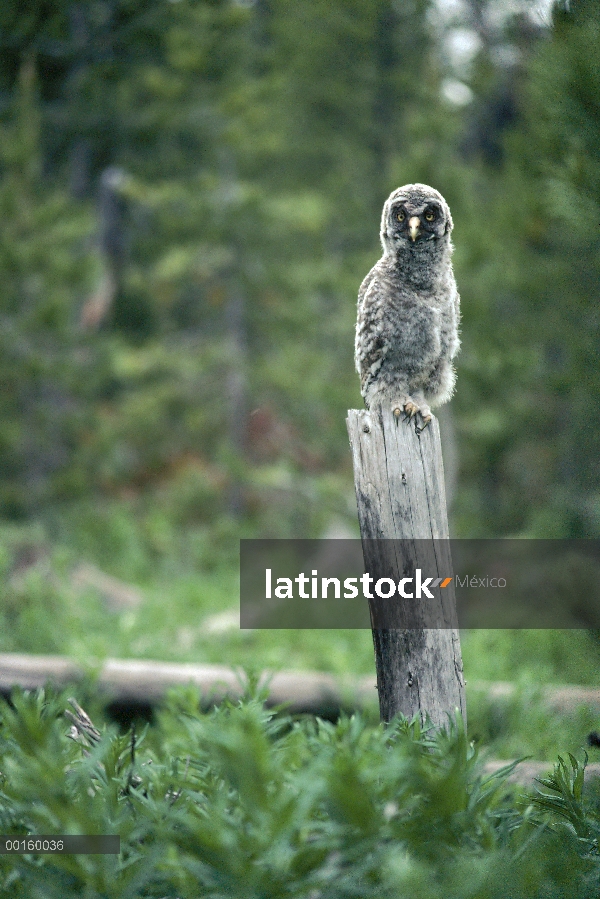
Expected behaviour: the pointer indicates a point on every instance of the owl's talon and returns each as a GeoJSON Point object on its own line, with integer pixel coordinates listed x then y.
{"type": "Point", "coordinates": [410, 409]}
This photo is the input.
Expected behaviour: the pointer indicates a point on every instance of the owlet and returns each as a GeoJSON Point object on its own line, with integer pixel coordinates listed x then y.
{"type": "Point", "coordinates": [408, 308]}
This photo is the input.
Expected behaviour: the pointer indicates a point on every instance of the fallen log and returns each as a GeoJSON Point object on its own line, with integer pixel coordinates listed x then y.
{"type": "Point", "coordinates": [146, 681]}
{"type": "Point", "coordinates": [137, 681]}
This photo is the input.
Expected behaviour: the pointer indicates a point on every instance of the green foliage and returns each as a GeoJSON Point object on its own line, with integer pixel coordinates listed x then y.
{"type": "Point", "coordinates": [565, 800]}
{"type": "Point", "coordinates": [523, 723]}
{"type": "Point", "coordinates": [46, 266]}
{"type": "Point", "coordinates": [540, 656]}
{"type": "Point", "coordinates": [242, 802]}
{"type": "Point", "coordinates": [185, 585]}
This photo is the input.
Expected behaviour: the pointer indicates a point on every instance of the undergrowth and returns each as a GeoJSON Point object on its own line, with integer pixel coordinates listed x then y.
{"type": "Point", "coordinates": [244, 802]}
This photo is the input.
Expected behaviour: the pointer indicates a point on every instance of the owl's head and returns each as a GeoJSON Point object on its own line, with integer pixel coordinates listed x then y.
{"type": "Point", "coordinates": [415, 219]}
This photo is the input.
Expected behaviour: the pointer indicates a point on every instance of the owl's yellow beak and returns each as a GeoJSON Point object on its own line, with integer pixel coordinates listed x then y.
{"type": "Point", "coordinates": [414, 226]}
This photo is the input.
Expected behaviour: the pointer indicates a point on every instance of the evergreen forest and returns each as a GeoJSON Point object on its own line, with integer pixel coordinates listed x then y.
{"type": "Point", "coordinates": [190, 198]}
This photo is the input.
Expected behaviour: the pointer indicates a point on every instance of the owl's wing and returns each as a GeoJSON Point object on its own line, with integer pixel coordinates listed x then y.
{"type": "Point", "coordinates": [370, 346]}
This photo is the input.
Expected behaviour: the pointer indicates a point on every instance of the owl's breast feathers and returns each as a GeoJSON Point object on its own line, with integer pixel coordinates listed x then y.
{"type": "Point", "coordinates": [405, 331]}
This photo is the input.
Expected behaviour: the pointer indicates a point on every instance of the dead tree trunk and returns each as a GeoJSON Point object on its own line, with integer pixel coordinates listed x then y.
{"type": "Point", "coordinates": [399, 480]}
{"type": "Point", "coordinates": [111, 214]}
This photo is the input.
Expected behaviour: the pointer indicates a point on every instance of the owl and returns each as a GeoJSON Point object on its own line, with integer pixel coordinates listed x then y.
{"type": "Point", "coordinates": [408, 309]}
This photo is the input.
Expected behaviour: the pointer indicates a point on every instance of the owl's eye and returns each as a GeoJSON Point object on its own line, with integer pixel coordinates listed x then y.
{"type": "Point", "coordinates": [401, 215]}
{"type": "Point", "coordinates": [429, 216]}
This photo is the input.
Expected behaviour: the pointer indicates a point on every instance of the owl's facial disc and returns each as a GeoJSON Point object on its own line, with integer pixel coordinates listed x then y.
{"type": "Point", "coordinates": [415, 219]}
{"type": "Point", "coordinates": [417, 222]}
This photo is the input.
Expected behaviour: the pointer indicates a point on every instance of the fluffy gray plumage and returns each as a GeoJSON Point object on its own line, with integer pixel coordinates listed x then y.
{"type": "Point", "coordinates": [408, 307]}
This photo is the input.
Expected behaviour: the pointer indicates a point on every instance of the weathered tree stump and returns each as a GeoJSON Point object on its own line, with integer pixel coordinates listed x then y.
{"type": "Point", "coordinates": [399, 480]}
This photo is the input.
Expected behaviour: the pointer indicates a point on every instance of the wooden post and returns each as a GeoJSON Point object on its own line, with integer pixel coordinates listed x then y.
{"type": "Point", "coordinates": [399, 480]}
